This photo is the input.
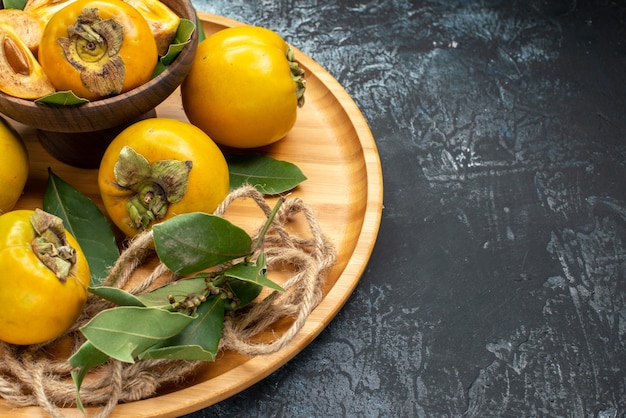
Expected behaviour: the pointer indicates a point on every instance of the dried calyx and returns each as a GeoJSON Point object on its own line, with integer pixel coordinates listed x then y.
{"type": "Point", "coordinates": [92, 47]}
{"type": "Point", "coordinates": [156, 185]}
{"type": "Point", "coordinates": [50, 244]}
{"type": "Point", "coordinates": [297, 74]}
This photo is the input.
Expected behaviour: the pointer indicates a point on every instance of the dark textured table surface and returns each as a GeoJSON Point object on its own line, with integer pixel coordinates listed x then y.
{"type": "Point", "coordinates": [497, 286]}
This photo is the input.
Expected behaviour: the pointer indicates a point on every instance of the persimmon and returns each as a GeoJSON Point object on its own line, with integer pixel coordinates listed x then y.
{"type": "Point", "coordinates": [158, 168]}
{"type": "Point", "coordinates": [244, 87]}
{"type": "Point", "coordinates": [98, 49]}
{"type": "Point", "coordinates": [44, 277]}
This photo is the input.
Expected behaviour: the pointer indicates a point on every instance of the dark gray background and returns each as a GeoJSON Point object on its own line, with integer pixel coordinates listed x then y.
{"type": "Point", "coordinates": [497, 285]}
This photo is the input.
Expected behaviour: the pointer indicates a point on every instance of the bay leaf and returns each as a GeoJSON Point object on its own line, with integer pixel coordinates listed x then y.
{"type": "Point", "coordinates": [116, 295]}
{"type": "Point", "coordinates": [84, 359]}
{"type": "Point", "coordinates": [268, 175]}
{"type": "Point", "coordinates": [192, 242]}
{"type": "Point", "coordinates": [84, 220]}
{"type": "Point", "coordinates": [199, 340]}
{"type": "Point", "coordinates": [62, 98]}
{"type": "Point", "coordinates": [14, 4]}
{"type": "Point", "coordinates": [126, 331]}
{"type": "Point", "coordinates": [178, 290]}
{"type": "Point", "coordinates": [243, 293]}
{"type": "Point", "coordinates": [183, 36]}
{"type": "Point", "coordinates": [253, 272]}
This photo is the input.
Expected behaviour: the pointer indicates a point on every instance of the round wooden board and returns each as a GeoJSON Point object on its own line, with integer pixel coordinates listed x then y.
{"type": "Point", "coordinates": [333, 146]}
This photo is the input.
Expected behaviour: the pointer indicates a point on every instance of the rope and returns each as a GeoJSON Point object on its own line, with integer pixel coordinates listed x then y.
{"type": "Point", "coordinates": [32, 376]}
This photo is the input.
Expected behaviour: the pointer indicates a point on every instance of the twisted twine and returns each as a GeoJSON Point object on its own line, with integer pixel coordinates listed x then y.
{"type": "Point", "coordinates": [32, 376]}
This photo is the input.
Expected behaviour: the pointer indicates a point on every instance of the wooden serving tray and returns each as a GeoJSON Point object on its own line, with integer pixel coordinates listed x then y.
{"type": "Point", "coordinates": [333, 146]}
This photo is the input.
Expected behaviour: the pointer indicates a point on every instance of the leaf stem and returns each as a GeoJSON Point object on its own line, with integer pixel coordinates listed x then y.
{"type": "Point", "coordinates": [266, 227]}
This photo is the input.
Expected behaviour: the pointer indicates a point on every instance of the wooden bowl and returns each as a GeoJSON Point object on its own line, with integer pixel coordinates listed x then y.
{"type": "Point", "coordinates": [105, 114]}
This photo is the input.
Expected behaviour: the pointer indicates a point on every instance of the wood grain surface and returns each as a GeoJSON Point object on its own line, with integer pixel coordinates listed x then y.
{"type": "Point", "coordinates": [333, 146]}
